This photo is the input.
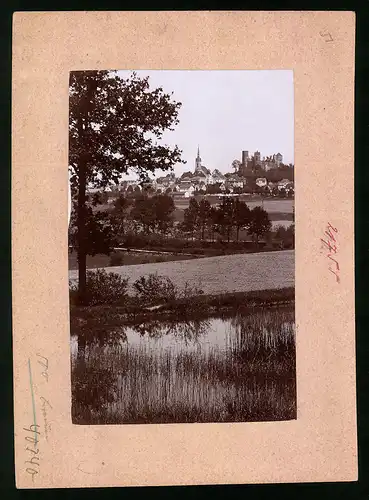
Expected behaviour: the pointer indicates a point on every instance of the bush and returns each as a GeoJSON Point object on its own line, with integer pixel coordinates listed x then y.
{"type": "Point", "coordinates": [189, 291]}
{"type": "Point", "coordinates": [155, 288]}
{"type": "Point", "coordinates": [103, 288]}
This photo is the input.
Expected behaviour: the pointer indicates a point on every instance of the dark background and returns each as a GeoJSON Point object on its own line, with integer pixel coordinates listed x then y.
{"type": "Point", "coordinates": [356, 490]}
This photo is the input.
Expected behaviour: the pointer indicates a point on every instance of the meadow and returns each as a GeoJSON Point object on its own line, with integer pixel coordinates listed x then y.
{"type": "Point", "coordinates": [222, 274]}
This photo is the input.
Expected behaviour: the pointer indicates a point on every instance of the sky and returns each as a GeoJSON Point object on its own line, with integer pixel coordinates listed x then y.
{"type": "Point", "coordinates": [226, 112]}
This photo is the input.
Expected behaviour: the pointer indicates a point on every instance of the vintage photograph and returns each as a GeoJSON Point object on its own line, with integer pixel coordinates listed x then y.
{"type": "Point", "coordinates": [181, 246]}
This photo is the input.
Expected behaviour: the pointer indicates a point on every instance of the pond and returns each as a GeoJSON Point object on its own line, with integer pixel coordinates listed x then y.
{"type": "Point", "coordinates": [230, 368]}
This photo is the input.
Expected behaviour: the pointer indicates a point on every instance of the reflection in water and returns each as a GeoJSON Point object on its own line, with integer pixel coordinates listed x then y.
{"type": "Point", "coordinates": [235, 368]}
{"type": "Point", "coordinates": [187, 331]}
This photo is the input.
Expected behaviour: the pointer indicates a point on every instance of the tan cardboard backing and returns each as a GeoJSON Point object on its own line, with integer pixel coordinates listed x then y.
{"type": "Point", "coordinates": [321, 444]}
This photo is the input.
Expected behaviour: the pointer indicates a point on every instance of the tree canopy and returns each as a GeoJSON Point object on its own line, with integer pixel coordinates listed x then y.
{"type": "Point", "coordinates": [115, 126]}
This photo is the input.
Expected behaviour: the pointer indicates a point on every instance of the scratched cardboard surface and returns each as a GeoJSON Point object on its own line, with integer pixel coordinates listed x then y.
{"type": "Point", "coordinates": [321, 444]}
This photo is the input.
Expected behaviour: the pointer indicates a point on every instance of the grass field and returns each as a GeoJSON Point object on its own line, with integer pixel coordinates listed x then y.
{"type": "Point", "coordinates": [127, 259]}
{"type": "Point", "coordinates": [228, 273]}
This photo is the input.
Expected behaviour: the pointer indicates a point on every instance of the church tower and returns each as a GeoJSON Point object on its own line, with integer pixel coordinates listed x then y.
{"type": "Point", "coordinates": [198, 160]}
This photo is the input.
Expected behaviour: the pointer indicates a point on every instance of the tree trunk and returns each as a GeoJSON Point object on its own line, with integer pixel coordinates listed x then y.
{"type": "Point", "coordinates": [81, 347]}
{"type": "Point", "coordinates": [82, 236]}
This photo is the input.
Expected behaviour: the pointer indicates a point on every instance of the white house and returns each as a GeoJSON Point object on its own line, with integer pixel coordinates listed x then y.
{"type": "Point", "coordinates": [261, 182]}
{"type": "Point", "coordinates": [283, 184]}
{"type": "Point", "coordinates": [236, 181]}
{"type": "Point", "coordinates": [186, 187]}
{"type": "Point", "coordinates": [216, 177]}
{"type": "Point", "coordinates": [189, 192]}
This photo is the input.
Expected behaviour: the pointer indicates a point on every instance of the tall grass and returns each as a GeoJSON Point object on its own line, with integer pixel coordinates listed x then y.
{"type": "Point", "coordinates": [250, 378]}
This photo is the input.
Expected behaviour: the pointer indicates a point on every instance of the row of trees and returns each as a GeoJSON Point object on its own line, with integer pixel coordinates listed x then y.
{"type": "Point", "coordinates": [155, 215]}
{"type": "Point", "coordinates": [228, 219]}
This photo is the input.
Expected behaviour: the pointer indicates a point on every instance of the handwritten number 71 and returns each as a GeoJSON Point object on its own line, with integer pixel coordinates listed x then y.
{"type": "Point", "coordinates": [326, 35]}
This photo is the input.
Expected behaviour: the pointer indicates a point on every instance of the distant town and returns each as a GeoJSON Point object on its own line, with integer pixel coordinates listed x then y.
{"type": "Point", "coordinates": [253, 174]}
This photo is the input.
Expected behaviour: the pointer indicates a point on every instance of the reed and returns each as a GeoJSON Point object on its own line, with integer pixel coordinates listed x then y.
{"type": "Point", "coordinates": [252, 378]}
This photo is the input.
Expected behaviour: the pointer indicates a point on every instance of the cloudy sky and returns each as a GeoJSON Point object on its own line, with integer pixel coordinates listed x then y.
{"type": "Point", "coordinates": [225, 112]}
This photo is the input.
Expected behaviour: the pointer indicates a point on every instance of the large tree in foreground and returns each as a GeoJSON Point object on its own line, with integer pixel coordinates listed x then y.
{"type": "Point", "coordinates": [114, 126]}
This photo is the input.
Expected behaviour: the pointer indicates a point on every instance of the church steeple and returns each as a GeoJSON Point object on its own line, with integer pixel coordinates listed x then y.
{"type": "Point", "coordinates": [198, 159]}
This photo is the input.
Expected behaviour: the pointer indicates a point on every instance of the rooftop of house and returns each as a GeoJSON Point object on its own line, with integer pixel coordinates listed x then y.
{"type": "Point", "coordinates": [202, 169]}
{"type": "Point", "coordinates": [217, 173]}
{"type": "Point", "coordinates": [186, 185]}
{"type": "Point", "coordinates": [186, 174]}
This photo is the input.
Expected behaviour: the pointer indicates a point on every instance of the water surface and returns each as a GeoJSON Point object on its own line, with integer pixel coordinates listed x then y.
{"type": "Point", "coordinates": [238, 367]}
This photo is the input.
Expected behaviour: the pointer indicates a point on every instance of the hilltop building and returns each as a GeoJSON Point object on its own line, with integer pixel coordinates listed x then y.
{"type": "Point", "coordinates": [266, 163]}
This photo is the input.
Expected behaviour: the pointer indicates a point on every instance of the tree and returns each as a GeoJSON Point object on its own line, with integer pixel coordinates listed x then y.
{"type": "Point", "coordinates": [191, 217]}
{"type": "Point", "coordinates": [203, 216]}
{"type": "Point", "coordinates": [242, 217]}
{"type": "Point", "coordinates": [236, 164]}
{"type": "Point", "coordinates": [154, 214]}
{"type": "Point", "coordinates": [102, 237]}
{"type": "Point", "coordinates": [259, 223]}
{"type": "Point", "coordinates": [285, 236]}
{"type": "Point", "coordinates": [226, 217]}
{"type": "Point", "coordinates": [148, 190]}
{"type": "Point", "coordinates": [100, 198]}
{"type": "Point", "coordinates": [163, 208]}
{"type": "Point", "coordinates": [213, 188]}
{"type": "Point", "coordinates": [213, 221]}
{"type": "Point", "coordinates": [114, 126]}
{"type": "Point", "coordinates": [142, 213]}
{"type": "Point", "coordinates": [120, 213]}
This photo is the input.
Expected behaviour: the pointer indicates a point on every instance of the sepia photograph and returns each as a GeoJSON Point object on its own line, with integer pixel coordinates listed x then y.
{"type": "Point", "coordinates": [181, 246]}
